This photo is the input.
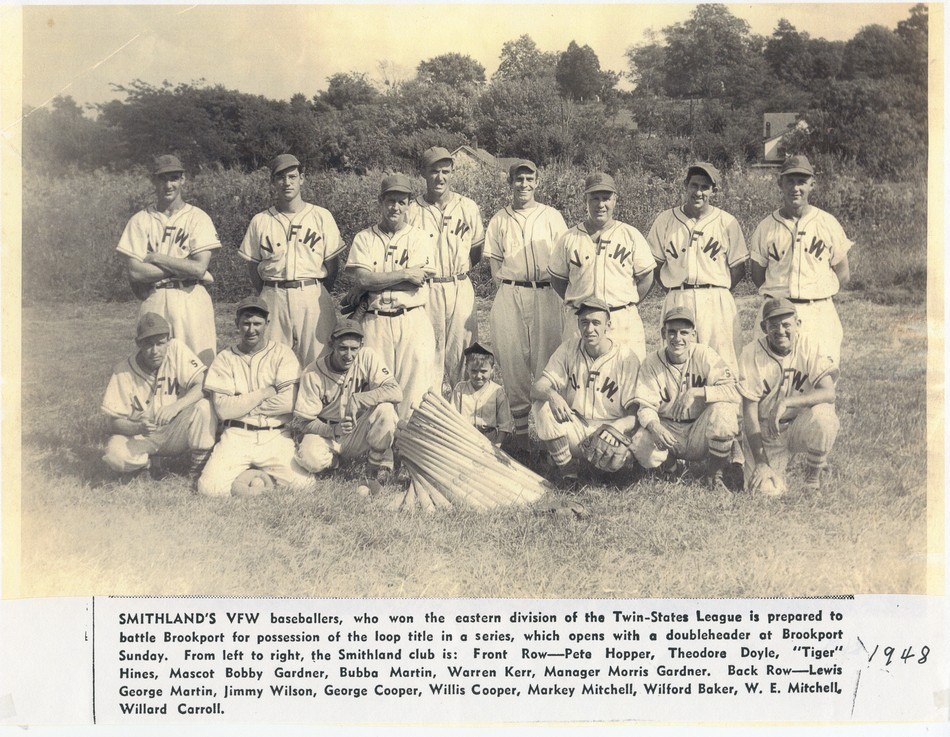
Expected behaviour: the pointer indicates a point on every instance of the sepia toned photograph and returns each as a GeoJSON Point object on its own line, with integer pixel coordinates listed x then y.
{"type": "Point", "coordinates": [503, 301]}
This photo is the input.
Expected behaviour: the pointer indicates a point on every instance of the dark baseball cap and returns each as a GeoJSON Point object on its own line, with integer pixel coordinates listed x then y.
{"type": "Point", "coordinates": [477, 349]}
{"type": "Point", "coordinates": [434, 154]}
{"type": "Point", "coordinates": [592, 303]}
{"type": "Point", "coordinates": [347, 327]}
{"type": "Point", "coordinates": [679, 313]}
{"type": "Point", "coordinates": [599, 182]}
{"type": "Point", "coordinates": [253, 303]}
{"type": "Point", "coordinates": [151, 323]}
{"type": "Point", "coordinates": [522, 164]}
{"type": "Point", "coordinates": [395, 183]}
{"type": "Point", "coordinates": [797, 165]}
{"type": "Point", "coordinates": [282, 162]}
{"type": "Point", "coordinates": [166, 164]}
{"type": "Point", "coordinates": [777, 307]}
{"type": "Point", "coordinates": [704, 167]}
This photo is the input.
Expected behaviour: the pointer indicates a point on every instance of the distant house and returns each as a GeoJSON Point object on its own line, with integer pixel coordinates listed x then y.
{"type": "Point", "coordinates": [468, 156]}
{"type": "Point", "coordinates": [774, 128]}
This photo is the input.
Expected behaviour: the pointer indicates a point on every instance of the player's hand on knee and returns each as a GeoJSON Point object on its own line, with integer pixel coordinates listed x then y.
{"type": "Point", "coordinates": [347, 425]}
{"type": "Point", "coordinates": [148, 427]}
{"type": "Point", "coordinates": [664, 438]}
{"type": "Point", "coordinates": [775, 417]}
{"type": "Point", "coordinates": [560, 408]}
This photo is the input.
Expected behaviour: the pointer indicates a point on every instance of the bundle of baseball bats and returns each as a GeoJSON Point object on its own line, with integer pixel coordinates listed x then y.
{"type": "Point", "coordinates": [450, 463]}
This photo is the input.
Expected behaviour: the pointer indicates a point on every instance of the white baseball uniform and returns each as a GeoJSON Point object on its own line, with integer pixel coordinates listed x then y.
{"type": "Point", "coordinates": [695, 256]}
{"type": "Point", "coordinates": [184, 303]}
{"type": "Point", "coordinates": [527, 315]}
{"type": "Point", "coordinates": [486, 409]}
{"type": "Point", "coordinates": [396, 324]}
{"type": "Point", "coordinates": [606, 269]}
{"type": "Point", "coordinates": [799, 257]}
{"type": "Point", "coordinates": [136, 395]}
{"type": "Point", "coordinates": [598, 390]}
{"type": "Point", "coordinates": [453, 233]}
{"type": "Point", "coordinates": [258, 439]}
{"type": "Point", "coordinates": [291, 251]}
{"type": "Point", "coordinates": [764, 376]}
{"type": "Point", "coordinates": [711, 423]}
{"type": "Point", "coordinates": [369, 388]}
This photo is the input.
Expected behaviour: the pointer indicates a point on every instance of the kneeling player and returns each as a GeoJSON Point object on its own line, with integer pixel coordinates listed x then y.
{"type": "Point", "coordinates": [155, 404]}
{"type": "Point", "coordinates": [586, 385]}
{"type": "Point", "coordinates": [687, 402]}
{"type": "Point", "coordinates": [480, 400]}
{"type": "Point", "coordinates": [788, 401]}
{"type": "Point", "coordinates": [346, 406]}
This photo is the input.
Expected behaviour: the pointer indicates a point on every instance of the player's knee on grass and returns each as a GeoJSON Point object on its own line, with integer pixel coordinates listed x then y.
{"type": "Point", "coordinates": [723, 428]}
{"type": "Point", "coordinates": [122, 456]}
{"type": "Point", "coordinates": [645, 451]}
{"type": "Point", "coordinates": [216, 481]}
{"type": "Point", "coordinates": [382, 426]}
{"type": "Point", "coordinates": [314, 454]}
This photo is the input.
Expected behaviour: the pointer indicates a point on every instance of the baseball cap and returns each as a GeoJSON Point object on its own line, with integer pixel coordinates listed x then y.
{"type": "Point", "coordinates": [165, 164]}
{"type": "Point", "coordinates": [434, 154]}
{"type": "Point", "coordinates": [679, 313]}
{"type": "Point", "coordinates": [592, 303]}
{"type": "Point", "coordinates": [706, 168]}
{"type": "Point", "coordinates": [777, 307]}
{"type": "Point", "coordinates": [477, 349]}
{"type": "Point", "coordinates": [521, 164]}
{"type": "Point", "coordinates": [252, 303]}
{"type": "Point", "coordinates": [599, 182]}
{"type": "Point", "coordinates": [797, 165]}
{"type": "Point", "coordinates": [395, 183]}
{"type": "Point", "coordinates": [151, 323]}
{"type": "Point", "coordinates": [347, 327]}
{"type": "Point", "coordinates": [281, 162]}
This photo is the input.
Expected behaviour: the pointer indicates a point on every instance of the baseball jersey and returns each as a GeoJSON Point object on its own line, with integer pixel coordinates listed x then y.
{"type": "Point", "coordinates": [486, 408]}
{"type": "Point", "coordinates": [453, 232]}
{"type": "Point", "coordinates": [660, 382]}
{"type": "Point", "coordinates": [597, 389]}
{"type": "Point", "coordinates": [186, 232]}
{"type": "Point", "coordinates": [798, 258]}
{"type": "Point", "coordinates": [522, 241]}
{"type": "Point", "coordinates": [324, 393]}
{"type": "Point", "coordinates": [134, 394]}
{"type": "Point", "coordinates": [763, 375]}
{"type": "Point", "coordinates": [288, 246]}
{"type": "Point", "coordinates": [697, 251]}
{"type": "Point", "coordinates": [605, 268]}
{"type": "Point", "coordinates": [383, 252]}
{"type": "Point", "coordinates": [233, 373]}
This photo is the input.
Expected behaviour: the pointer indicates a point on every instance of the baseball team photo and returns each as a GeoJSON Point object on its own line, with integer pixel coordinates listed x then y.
{"type": "Point", "coordinates": [598, 302]}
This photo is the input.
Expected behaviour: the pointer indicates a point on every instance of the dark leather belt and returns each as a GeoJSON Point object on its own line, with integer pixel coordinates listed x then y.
{"type": "Point", "coordinates": [684, 285]}
{"type": "Point", "coordinates": [799, 301]}
{"type": "Point", "coordinates": [621, 307]}
{"type": "Point", "coordinates": [447, 279]}
{"type": "Point", "coordinates": [177, 284]}
{"type": "Point", "coordinates": [292, 283]}
{"type": "Point", "coordinates": [394, 313]}
{"type": "Point", "coordinates": [530, 284]}
{"type": "Point", "coordinates": [245, 426]}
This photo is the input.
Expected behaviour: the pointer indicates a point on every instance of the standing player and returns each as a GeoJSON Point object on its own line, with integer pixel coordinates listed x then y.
{"type": "Point", "coordinates": [604, 259]}
{"type": "Point", "coordinates": [788, 401]}
{"type": "Point", "coordinates": [586, 384]}
{"type": "Point", "coordinates": [801, 253]}
{"type": "Point", "coordinates": [687, 401]}
{"type": "Point", "coordinates": [391, 261]}
{"type": "Point", "coordinates": [454, 227]}
{"type": "Point", "coordinates": [155, 404]}
{"type": "Point", "coordinates": [701, 255]}
{"type": "Point", "coordinates": [293, 250]}
{"type": "Point", "coordinates": [167, 249]}
{"type": "Point", "coordinates": [345, 406]}
{"type": "Point", "coordinates": [253, 386]}
{"type": "Point", "coordinates": [527, 316]}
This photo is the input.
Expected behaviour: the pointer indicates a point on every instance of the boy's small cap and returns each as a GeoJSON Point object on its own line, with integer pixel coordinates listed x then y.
{"type": "Point", "coordinates": [477, 349]}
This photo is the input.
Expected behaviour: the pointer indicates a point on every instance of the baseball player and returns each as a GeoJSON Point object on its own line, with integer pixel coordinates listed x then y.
{"type": "Point", "coordinates": [155, 404]}
{"type": "Point", "coordinates": [607, 260]}
{"type": "Point", "coordinates": [480, 400]}
{"type": "Point", "coordinates": [701, 255]}
{"type": "Point", "coordinates": [788, 400]}
{"type": "Point", "coordinates": [527, 315]}
{"type": "Point", "coordinates": [391, 261]}
{"type": "Point", "coordinates": [167, 249]}
{"type": "Point", "coordinates": [253, 386]}
{"type": "Point", "coordinates": [454, 227]}
{"type": "Point", "coordinates": [586, 384]}
{"type": "Point", "coordinates": [687, 400]}
{"type": "Point", "coordinates": [346, 406]}
{"type": "Point", "coordinates": [801, 253]}
{"type": "Point", "coordinates": [292, 251]}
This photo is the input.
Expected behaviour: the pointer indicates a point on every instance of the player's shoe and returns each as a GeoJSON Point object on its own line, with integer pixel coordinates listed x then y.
{"type": "Point", "coordinates": [672, 469]}
{"type": "Point", "coordinates": [812, 480]}
{"type": "Point", "coordinates": [568, 479]}
{"type": "Point", "coordinates": [715, 482]}
{"type": "Point", "coordinates": [381, 474]}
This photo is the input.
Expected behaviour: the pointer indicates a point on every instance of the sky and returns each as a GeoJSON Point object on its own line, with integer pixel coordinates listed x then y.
{"type": "Point", "coordinates": [280, 50]}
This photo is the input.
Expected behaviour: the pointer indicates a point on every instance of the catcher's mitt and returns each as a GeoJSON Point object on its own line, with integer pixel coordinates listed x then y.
{"type": "Point", "coordinates": [354, 303]}
{"type": "Point", "coordinates": [252, 482]}
{"type": "Point", "coordinates": [607, 449]}
{"type": "Point", "coordinates": [767, 482]}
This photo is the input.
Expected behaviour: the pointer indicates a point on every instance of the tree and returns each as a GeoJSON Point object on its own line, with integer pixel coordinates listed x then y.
{"type": "Point", "coordinates": [578, 73]}
{"type": "Point", "coordinates": [61, 135]}
{"type": "Point", "coordinates": [522, 59]}
{"type": "Point", "coordinates": [346, 89]}
{"type": "Point", "coordinates": [646, 63]}
{"type": "Point", "coordinates": [876, 52]}
{"type": "Point", "coordinates": [458, 71]}
{"type": "Point", "coordinates": [914, 32]}
{"type": "Point", "coordinates": [787, 54]}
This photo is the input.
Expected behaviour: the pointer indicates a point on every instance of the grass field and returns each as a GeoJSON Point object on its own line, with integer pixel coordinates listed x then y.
{"type": "Point", "coordinates": [84, 532]}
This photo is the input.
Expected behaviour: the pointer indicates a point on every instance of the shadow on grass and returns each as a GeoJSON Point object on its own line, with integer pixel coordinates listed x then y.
{"type": "Point", "coordinates": [44, 452]}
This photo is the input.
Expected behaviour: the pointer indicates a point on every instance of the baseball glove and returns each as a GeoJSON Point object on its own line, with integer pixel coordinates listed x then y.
{"type": "Point", "coordinates": [767, 482]}
{"type": "Point", "coordinates": [607, 449]}
{"type": "Point", "coordinates": [354, 303]}
{"type": "Point", "coordinates": [252, 482]}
